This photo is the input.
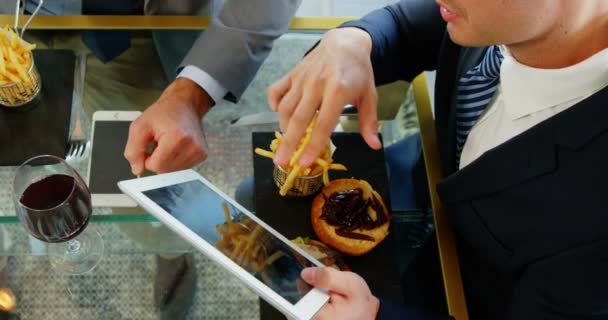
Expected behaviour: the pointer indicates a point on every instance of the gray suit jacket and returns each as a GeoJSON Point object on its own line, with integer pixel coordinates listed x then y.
{"type": "Point", "coordinates": [231, 50]}
{"type": "Point", "coordinates": [239, 39]}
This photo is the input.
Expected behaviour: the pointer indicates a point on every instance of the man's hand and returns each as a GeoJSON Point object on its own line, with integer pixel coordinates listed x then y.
{"type": "Point", "coordinates": [336, 73]}
{"type": "Point", "coordinates": [349, 296]}
{"type": "Point", "coordinates": [173, 124]}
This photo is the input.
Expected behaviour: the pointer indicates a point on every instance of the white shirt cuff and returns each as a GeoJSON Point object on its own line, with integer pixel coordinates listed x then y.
{"type": "Point", "coordinates": [214, 89]}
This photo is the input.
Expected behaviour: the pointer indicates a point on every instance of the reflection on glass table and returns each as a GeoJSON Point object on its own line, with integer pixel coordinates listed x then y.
{"type": "Point", "coordinates": [124, 285]}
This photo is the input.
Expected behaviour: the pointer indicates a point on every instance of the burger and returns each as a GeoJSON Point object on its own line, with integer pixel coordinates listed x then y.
{"type": "Point", "coordinates": [350, 216]}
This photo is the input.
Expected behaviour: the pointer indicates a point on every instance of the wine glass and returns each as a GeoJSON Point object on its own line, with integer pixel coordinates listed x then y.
{"type": "Point", "coordinates": [53, 204]}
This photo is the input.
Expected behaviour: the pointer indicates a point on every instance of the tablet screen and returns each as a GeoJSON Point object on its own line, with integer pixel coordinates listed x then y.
{"type": "Point", "coordinates": [233, 233]}
{"type": "Point", "coordinates": [108, 164]}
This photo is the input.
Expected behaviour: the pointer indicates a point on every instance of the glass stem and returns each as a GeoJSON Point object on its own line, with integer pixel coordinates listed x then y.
{"type": "Point", "coordinates": [72, 246]}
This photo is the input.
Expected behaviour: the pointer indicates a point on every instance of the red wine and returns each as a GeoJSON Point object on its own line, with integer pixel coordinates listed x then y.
{"type": "Point", "coordinates": [57, 208]}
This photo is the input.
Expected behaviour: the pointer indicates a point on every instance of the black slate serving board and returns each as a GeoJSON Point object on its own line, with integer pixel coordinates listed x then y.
{"type": "Point", "coordinates": [41, 126]}
{"type": "Point", "coordinates": [291, 216]}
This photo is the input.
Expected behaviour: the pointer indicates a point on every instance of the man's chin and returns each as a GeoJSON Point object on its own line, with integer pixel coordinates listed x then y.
{"type": "Point", "coordinates": [466, 39]}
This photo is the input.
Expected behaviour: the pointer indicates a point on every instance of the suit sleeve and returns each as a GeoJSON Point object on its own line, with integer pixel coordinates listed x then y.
{"type": "Point", "coordinates": [238, 40]}
{"type": "Point", "coordinates": [406, 38]}
{"type": "Point", "coordinates": [390, 310]}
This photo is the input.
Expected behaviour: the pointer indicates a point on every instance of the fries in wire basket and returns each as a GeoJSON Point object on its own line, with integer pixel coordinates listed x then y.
{"type": "Point", "coordinates": [303, 178]}
{"type": "Point", "coordinates": [19, 79]}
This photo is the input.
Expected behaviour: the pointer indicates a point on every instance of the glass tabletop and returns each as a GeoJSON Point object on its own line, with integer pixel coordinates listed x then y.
{"type": "Point", "coordinates": [112, 86]}
{"type": "Point", "coordinates": [134, 280]}
{"type": "Point", "coordinates": [99, 86]}
{"type": "Point", "coordinates": [138, 270]}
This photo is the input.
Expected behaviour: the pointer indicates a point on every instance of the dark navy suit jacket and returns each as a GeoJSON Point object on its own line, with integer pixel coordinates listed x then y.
{"type": "Point", "coordinates": [531, 215]}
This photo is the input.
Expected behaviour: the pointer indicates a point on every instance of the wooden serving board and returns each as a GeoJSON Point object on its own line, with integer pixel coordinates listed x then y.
{"type": "Point", "coordinates": [291, 216]}
{"type": "Point", "coordinates": [41, 126]}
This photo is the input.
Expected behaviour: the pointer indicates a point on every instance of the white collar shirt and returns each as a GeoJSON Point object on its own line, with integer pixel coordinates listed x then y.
{"type": "Point", "coordinates": [527, 96]}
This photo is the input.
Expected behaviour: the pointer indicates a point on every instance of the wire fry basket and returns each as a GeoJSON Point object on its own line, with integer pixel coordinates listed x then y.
{"type": "Point", "coordinates": [21, 89]}
{"type": "Point", "coordinates": [302, 186]}
{"type": "Point", "coordinates": [19, 93]}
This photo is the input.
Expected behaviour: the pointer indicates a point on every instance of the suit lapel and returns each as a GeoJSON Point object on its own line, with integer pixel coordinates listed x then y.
{"type": "Point", "coordinates": [529, 154]}
{"type": "Point", "coordinates": [577, 126]}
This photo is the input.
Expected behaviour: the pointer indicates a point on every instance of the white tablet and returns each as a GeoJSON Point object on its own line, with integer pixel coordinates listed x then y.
{"type": "Point", "coordinates": [107, 163]}
{"type": "Point", "coordinates": [231, 236]}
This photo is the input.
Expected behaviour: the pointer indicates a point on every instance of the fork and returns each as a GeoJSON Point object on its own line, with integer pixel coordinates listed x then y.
{"type": "Point", "coordinates": [77, 143]}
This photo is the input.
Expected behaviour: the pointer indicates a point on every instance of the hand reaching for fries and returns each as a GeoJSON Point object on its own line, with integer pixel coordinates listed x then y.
{"type": "Point", "coordinates": [337, 72]}
{"type": "Point", "coordinates": [321, 165]}
{"type": "Point", "coordinates": [19, 80]}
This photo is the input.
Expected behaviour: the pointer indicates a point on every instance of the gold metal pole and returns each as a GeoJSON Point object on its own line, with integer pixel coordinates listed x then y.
{"type": "Point", "coordinates": [448, 255]}
{"type": "Point", "coordinates": [140, 22]}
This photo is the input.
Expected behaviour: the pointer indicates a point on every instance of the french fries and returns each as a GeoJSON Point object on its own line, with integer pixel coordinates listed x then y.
{"type": "Point", "coordinates": [321, 165]}
{"type": "Point", "coordinates": [18, 83]}
{"type": "Point", "coordinates": [243, 243]}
